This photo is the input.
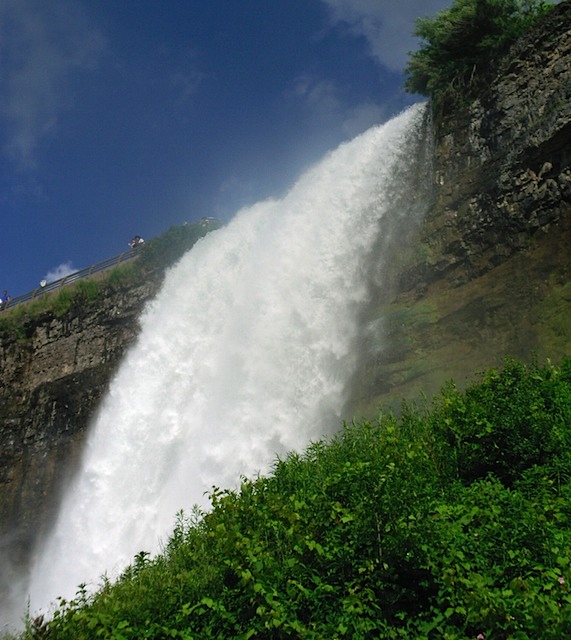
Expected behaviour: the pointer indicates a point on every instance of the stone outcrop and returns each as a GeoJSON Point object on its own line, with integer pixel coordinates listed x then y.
{"type": "Point", "coordinates": [488, 275]}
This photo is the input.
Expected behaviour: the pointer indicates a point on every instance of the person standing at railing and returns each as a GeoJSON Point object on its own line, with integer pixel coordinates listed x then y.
{"type": "Point", "coordinates": [5, 299]}
{"type": "Point", "coordinates": [136, 241]}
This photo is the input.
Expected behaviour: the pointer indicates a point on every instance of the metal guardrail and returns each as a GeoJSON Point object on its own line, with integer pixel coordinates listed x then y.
{"type": "Point", "coordinates": [72, 277]}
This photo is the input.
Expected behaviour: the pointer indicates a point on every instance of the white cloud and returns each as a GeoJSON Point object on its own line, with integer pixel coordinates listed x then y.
{"type": "Point", "coordinates": [61, 271]}
{"type": "Point", "coordinates": [387, 28]}
{"type": "Point", "coordinates": [321, 97]}
{"type": "Point", "coordinates": [362, 117]}
{"type": "Point", "coordinates": [325, 101]}
{"type": "Point", "coordinates": [41, 45]}
{"type": "Point", "coordinates": [387, 25]}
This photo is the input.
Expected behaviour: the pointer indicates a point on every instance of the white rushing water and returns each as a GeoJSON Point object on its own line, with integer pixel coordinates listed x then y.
{"type": "Point", "coordinates": [244, 355]}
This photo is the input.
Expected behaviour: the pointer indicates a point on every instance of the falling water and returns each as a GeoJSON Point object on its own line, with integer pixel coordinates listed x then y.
{"type": "Point", "coordinates": [243, 355]}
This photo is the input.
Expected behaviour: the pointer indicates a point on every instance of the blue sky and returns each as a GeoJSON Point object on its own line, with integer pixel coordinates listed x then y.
{"type": "Point", "coordinates": [124, 117]}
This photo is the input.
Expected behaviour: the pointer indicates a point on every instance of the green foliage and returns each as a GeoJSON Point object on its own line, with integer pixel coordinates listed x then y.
{"type": "Point", "coordinates": [452, 521]}
{"type": "Point", "coordinates": [512, 420]}
{"type": "Point", "coordinates": [124, 276]}
{"type": "Point", "coordinates": [83, 293]}
{"type": "Point", "coordinates": [462, 43]}
{"type": "Point", "coordinates": [63, 301]}
{"type": "Point", "coordinates": [12, 324]}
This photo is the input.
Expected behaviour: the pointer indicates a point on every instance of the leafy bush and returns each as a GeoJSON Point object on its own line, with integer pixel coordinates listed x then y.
{"type": "Point", "coordinates": [63, 301]}
{"type": "Point", "coordinates": [391, 529]}
{"type": "Point", "coordinates": [124, 276]}
{"type": "Point", "coordinates": [462, 43]}
{"type": "Point", "coordinates": [88, 290]}
{"type": "Point", "coordinates": [499, 560]}
{"type": "Point", "coordinates": [11, 325]}
{"type": "Point", "coordinates": [510, 421]}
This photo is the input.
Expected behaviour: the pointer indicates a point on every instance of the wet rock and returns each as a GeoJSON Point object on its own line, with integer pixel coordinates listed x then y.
{"type": "Point", "coordinates": [493, 252]}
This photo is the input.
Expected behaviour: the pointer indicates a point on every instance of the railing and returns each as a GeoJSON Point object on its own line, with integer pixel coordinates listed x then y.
{"type": "Point", "coordinates": [72, 277]}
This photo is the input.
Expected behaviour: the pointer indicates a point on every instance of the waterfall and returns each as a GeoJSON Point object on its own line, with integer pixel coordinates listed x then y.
{"type": "Point", "coordinates": [244, 355]}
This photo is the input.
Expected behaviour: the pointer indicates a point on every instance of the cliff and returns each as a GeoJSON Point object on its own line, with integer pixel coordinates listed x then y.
{"type": "Point", "coordinates": [488, 275]}
{"type": "Point", "coordinates": [53, 375]}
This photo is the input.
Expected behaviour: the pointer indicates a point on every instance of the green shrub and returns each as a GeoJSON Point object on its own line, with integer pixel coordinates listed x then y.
{"type": "Point", "coordinates": [510, 421]}
{"type": "Point", "coordinates": [124, 276]}
{"type": "Point", "coordinates": [87, 291]}
{"type": "Point", "coordinates": [391, 529]}
{"type": "Point", "coordinates": [12, 323]}
{"type": "Point", "coordinates": [62, 301]}
{"type": "Point", "coordinates": [463, 43]}
{"type": "Point", "coordinates": [499, 562]}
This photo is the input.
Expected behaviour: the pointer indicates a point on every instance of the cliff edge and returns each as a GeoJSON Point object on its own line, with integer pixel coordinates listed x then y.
{"type": "Point", "coordinates": [488, 275]}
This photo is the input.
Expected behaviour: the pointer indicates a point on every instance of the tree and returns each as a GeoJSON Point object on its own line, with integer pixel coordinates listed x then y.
{"type": "Point", "coordinates": [462, 43]}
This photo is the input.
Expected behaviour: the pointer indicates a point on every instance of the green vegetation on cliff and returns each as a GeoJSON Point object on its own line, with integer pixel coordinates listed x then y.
{"type": "Point", "coordinates": [154, 258]}
{"type": "Point", "coordinates": [452, 521]}
{"type": "Point", "coordinates": [462, 43]}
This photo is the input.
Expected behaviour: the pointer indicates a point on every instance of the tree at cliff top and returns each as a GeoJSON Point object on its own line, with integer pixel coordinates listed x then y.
{"type": "Point", "coordinates": [462, 43]}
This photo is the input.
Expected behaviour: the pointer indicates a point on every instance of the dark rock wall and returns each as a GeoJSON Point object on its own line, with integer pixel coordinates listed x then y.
{"type": "Point", "coordinates": [488, 275]}
{"type": "Point", "coordinates": [52, 381]}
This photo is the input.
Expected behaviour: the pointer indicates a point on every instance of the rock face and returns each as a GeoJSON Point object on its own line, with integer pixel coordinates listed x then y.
{"type": "Point", "coordinates": [52, 379]}
{"type": "Point", "coordinates": [489, 273]}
